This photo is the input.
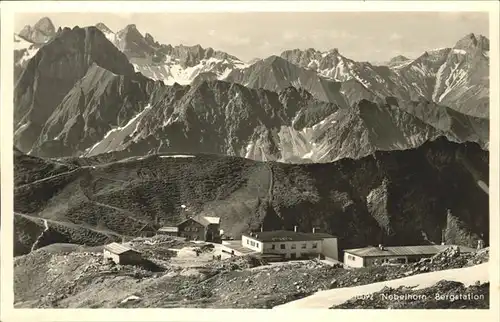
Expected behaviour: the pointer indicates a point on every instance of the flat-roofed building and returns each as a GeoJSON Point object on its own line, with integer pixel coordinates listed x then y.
{"type": "Point", "coordinates": [369, 256]}
{"type": "Point", "coordinates": [292, 244]}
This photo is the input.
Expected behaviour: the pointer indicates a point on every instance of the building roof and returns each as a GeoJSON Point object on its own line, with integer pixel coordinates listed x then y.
{"type": "Point", "coordinates": [404, 250]}
{"type": "Point", "coordinates": [147, 226]}
{"type": "Point", "coordinates": [203, 220]}
{"type": "Point", "coordinates": [169, 229]}
{"type": "Point", "coordinates": [212, 220]}
{"type": "Point", "coordinates": [188, 219]}
{"type": "Point", "coordinates": [287, 235]}
{"type": "Point", "coordinates": [236, 245]}
{"type": "Point", "coordinates": [118, 248]}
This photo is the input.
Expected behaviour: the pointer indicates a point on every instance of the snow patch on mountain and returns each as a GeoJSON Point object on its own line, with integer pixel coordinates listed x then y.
{"type": "Point", "coordinates": [439, 76]}
{"type": "Point", "coordinates": [30, 53]}
{"type": "Point", "coordinates": [458, 77]}
{"type": "Point", "coordinates": [177, 156]}
{"type": "Point", "coordinates": [301, 143]}
{"type": "Point", "coordinates": [111, 36]}
{"type": "Point", "coordinates": [172, 72]}
{"type": "Point", "coordinates": [459, 51]}
{"type": "Point", "coordinates": [118, 133]}
{"type": "Point", "coordinates": [402, 64]}
{"type": "Point", "coordinates": [20, 43]}
{"type": "Point", "coordinates": [28, 48]}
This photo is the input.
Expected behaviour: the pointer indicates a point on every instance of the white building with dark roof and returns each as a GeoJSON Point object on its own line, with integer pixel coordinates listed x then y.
{"type": "Point", "coordinates": [292, 244]}
{"type": "Point", "coordinates": [369, 256]}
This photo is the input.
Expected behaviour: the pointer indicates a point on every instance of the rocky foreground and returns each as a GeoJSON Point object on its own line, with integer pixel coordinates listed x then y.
{"type": "Point", "coordinates": [443, 295]}
{"type": "Point", "coordinates": [69, 276]}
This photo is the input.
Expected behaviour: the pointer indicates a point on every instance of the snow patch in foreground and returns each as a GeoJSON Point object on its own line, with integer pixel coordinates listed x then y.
{"type": "Point", "coordinates": [177, 156]}
{"type": "Point", "coordinates": [326, 299]}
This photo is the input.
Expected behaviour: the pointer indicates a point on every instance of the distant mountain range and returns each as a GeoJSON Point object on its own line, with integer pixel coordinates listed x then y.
{"type": "Point", "coordinates": [114, 131]}
{"type": "Point", "coordinates": [85, 91]}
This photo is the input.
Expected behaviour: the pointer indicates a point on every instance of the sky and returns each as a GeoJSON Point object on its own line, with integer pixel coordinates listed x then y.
{"type": "Point", "coordinates": [362, 36]}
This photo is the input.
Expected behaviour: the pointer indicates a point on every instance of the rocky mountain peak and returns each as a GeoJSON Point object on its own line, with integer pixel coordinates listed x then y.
{"type": "Point", "coordinates": [40, 33]}
{"type": "Point", "coordinates": [25, 31]}
{"type": "Point", "coordinates": [131, 26]}
{"type": "Point", "coordinates": [55, 69]}
{"type": "Point", "coordinates": [149, 38]}
{"type": "Point", "coordinates": [472, 41]}
{"type": "Point", "coordinates": [132, 43]}
{"type": "Point", "coordinates": [130, 32]}
{"type": "Point", "coordinates": [334, 51]}
{"type": "Point", "coordinates": [45, 25]}
{"type": "Point", "coordinates": [399, 58]}
{"type": "Point", "coordinates": [273, 59]}
{"type": "Point", "coordinates": [102, 27]}
{"type": "Point", "coordinates": [253, 60]}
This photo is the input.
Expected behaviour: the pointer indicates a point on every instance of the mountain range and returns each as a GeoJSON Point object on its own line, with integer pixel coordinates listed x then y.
{"type": "Point", "coordinates": [84, 91]}
{"type": "Point", "coordinates": [115, 131]}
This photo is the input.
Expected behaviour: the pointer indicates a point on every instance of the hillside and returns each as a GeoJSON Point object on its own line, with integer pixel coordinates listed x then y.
{"type": "Point", "coordinates": [398, 197]}
{"type": "Point", "coordinates": [96, 103]}
{"type": "Point", "coordinates": [53, 72]}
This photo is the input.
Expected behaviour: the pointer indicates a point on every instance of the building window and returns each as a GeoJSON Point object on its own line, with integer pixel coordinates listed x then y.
{"type": "Point", "coordinates": [282, 246]}
{"type": "Point", "coordinates": [257, 245]}
{"type": "Point", "coordinates": [248, 241]}
{"type": "Point", "coordinates": [304, 246]}
{"type": "Point", "coordinates": [350, 257]}
{"type": "Point", "coordinates": [293, 246]}
{"type": "Point", "coordinates": [315, 245]}
{"type": "Point", "coordinates": [273, 246]}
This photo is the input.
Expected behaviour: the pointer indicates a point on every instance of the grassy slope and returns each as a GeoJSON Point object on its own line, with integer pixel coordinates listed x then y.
{"type": "Point", "coordinates": [409, 192]}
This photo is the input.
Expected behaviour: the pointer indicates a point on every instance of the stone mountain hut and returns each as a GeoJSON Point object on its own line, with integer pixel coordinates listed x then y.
{"type": "Point", "coordinates": [121, 254]}
{"type": "Point", "coordinates": [204, 228]}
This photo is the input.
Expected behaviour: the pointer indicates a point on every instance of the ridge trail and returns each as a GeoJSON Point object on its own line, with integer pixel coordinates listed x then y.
{"type": "Point", "coordinates": [46, 228]}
